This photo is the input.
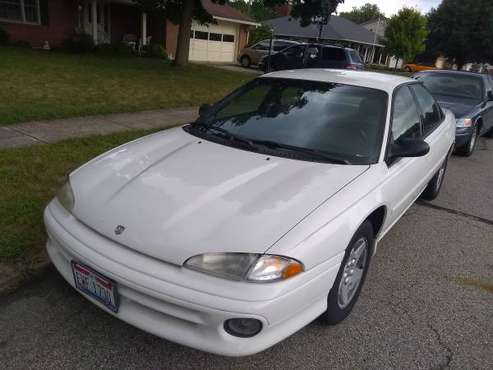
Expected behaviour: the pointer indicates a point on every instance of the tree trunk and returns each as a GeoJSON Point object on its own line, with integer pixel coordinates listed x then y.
{"type": "Point", "coordinates": [396, 63]}
{"type": "Point", "coordinates": [183, 44]}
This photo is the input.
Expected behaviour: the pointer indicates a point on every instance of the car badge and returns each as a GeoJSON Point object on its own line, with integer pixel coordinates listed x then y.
{"type": "Point", "coordinates": [119, 229]}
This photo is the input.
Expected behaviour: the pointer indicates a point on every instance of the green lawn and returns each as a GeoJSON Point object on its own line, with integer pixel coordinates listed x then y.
{"type": "Point", "coordinates": [46, 85]}
{"type": "Point", "coordinates": [29, 178]}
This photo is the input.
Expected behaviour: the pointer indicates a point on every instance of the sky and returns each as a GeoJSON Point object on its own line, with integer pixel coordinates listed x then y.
{"type": "Point", "coordinates": [390, 7]}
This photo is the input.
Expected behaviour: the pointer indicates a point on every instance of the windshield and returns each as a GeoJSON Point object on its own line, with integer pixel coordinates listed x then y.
{"type": "Point", "coordinates": [457, 85]}
{"type": "Point", "coordinates": [345, 122]}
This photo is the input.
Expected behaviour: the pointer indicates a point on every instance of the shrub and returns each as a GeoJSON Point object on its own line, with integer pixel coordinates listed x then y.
{"type": "Point", "coordinates": [79, 43]}
{"type": "Point", "coordinates": [155, 50]}
{"type": "Point", "coordinates": [106, 49]}
{"type": "Point", "coordinates": [4, 37]}
{"type": "Point", "coordinates": [23, 44]}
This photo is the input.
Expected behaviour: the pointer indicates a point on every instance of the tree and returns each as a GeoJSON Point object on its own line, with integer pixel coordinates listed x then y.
{"type": "Point", "coordinates": [462, 30]}
{"type": "Point", "coordinates": [363, 14]}
{"type": "Point", "coordinates": [255, 9]}
{"type": "Point", "coordinates": [182, 12]}
{"type": "Point", "coordinates": [405, 34]}
{"type": "Point", "coordinates": [260, 33]}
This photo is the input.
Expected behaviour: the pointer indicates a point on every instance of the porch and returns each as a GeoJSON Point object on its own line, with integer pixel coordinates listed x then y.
{"type": "Point", "coordinates": [114, 21]}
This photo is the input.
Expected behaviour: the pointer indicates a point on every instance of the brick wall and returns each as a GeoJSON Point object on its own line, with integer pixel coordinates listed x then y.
{"type": "Point", "coordinates": [60, 24]}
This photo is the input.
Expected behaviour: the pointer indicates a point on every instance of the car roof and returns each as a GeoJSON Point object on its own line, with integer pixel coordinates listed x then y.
{"type": "Point", "coordinates": [453, 72]}
{"type": "Point", "coordinates": [381, 81]}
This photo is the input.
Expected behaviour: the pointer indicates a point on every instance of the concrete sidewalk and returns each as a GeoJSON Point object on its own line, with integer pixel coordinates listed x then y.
{"type": "Point", "coordinates": [29, 133]}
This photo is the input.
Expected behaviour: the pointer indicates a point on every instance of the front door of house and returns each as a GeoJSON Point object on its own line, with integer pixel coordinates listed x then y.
{"type": "Point", "coordinates": [98, 12]}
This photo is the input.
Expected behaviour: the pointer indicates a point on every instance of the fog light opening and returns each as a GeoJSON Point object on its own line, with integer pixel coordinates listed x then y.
{"type": "Point", "coordinates": [243, 327]}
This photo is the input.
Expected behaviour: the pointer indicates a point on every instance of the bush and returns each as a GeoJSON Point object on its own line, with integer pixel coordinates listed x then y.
{"type": "Point", "coordinates": [22, 44]}
{"type": "Point", "coordinates": [106, 49]}
{"type": "Point", "coordinates": [4, 37]}
{"type": "Point", "coordinates": [79, 43]}
{"type": "Point", "coordinates": [155, 50]}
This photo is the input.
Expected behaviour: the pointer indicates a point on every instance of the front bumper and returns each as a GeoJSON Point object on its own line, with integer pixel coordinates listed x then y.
{"type": "Point", "coordinates": [178, 304]}
{"type": "Point", "coordinates": [462, 136]}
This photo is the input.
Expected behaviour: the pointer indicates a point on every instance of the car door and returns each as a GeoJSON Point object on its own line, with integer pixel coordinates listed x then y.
{"type": "Point", "coordinates": [261, 50]}
{"type": "Point", "coordinates": [291, 58]}
{"type": "Point", "coordinates": [406, 177]}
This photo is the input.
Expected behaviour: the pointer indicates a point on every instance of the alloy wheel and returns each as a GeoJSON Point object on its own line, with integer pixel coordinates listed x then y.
{"type": "Point", "coordinates": [353, 273]}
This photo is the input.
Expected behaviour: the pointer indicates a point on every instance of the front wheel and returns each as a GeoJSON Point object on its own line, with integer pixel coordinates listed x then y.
{"type": "Point", "coordinates": [351, 276]}
{"type": "Point", "coordinates": [470, 146]}
{"type": "Point", "coordinates": [245, 61]}
{"type": "Point", "coordinates": [435, 184]}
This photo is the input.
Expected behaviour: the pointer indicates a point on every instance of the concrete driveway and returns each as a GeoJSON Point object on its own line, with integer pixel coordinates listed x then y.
{"type": "Point", "coordinates": [427, 304]}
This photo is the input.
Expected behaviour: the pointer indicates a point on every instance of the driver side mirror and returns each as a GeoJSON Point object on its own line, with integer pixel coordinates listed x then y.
{"type": "Point", "coordinates": [408, 148]}
{"type": "Point", "coordinates": [204, 109]}
{"type": "Point", "coordinates": [490, 95]}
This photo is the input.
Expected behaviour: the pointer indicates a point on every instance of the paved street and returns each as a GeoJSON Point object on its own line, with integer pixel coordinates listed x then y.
{"type": "Point", "coordinates": [427, 303]}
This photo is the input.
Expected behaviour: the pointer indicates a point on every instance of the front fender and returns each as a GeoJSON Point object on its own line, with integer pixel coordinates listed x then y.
{"type": "Point", "coordinates": [326, 233]}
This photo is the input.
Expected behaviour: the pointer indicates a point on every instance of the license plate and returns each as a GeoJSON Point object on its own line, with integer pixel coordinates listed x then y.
{"type": "Point", "coordinates": [95, 285]}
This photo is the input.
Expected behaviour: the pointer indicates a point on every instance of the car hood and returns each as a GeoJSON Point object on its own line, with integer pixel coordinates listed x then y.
{"type": "Point", "coordinates": [460, 107]}
{"type": "Point", "coordinates": [179, 196]}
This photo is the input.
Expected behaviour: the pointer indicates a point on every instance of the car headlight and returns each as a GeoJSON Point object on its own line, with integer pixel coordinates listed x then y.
{"type": "Point", "coordinates": [464, 122]}
{"type": "Point", "coordinates": [66, 196]}
{"type": "Point", "coordinates": [260, 268]}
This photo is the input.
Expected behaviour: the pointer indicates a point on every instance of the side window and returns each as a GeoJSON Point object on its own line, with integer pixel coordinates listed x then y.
{"type": "Point", "coordinates": [294, 51]}
{"type": "Point", "coordinates": [333, 54]}
{"type": "Point", "coordinates": [406, 122]}
{"type": "Point", "coordinates": [261, 46]}
{"type": "Point", "coordinates": [432, 114]}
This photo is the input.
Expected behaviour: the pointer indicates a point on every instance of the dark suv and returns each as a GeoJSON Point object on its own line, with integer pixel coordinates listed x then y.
{"type": "Point", "coordinates": [313, 56]}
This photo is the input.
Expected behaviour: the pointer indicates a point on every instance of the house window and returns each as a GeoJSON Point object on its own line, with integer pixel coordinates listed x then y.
{"type": "Point", "coordinates": [201, 35]}
{"type": "Point", "coordinates": [228, 38]}
{"type": "Point", "coordinates": [215, 36]}
{"type": "Point", "coordinates": [22, 11]}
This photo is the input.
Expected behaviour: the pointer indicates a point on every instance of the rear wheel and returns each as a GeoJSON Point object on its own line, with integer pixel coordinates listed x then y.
{"type": "Point", "coordinates": [470, 146]}
{"type": "Point", "coordinates": [435, 184]}
{"type": "Point", "coordinates": [351, 276]}
{"type": "Point", "coordinates": [408, 69]}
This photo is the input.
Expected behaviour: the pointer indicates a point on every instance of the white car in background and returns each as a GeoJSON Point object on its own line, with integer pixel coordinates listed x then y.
{"type": "Point", "coordinates": [232, 233]}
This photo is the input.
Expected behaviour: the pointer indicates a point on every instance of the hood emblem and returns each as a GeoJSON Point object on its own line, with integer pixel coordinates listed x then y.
{"type": "Point", "coordinates": [119, 229]}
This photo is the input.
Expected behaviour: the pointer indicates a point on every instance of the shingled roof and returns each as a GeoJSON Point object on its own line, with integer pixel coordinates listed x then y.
{"type": "Point", "coordinates": [225, 11]}
{"type": "Point", "coordinates": [339, 28]}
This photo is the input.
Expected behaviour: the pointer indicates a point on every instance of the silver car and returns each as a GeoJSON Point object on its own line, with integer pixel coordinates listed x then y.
{"type": "Point", "coordinates": [253, 54]}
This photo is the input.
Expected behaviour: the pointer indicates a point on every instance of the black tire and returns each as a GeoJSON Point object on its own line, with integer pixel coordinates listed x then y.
{"type": "Point", "coordinates": [335, 311]}
{"type": "Point", "coordinates": [489, 134]}
{"type": "Point", "coordinates": [407, 69]}
{"type": "Point", "coordinates": [245, 61]}
{"type": "Point", "coordinates": [470, 146]}
{"type": "Point", "coordinates": [435, 184]}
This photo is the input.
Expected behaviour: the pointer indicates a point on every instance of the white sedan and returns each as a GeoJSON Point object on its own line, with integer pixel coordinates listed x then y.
{"type": "Point", "coordinates": [232, 233]}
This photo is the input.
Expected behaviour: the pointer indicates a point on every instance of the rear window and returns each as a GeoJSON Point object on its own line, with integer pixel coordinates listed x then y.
{"type": "Point", "coordinates": [459, 85]}
{"type": "Point", "coordinates": [334, 54]}
{"type": "Point", "coordinates": [355, 57]}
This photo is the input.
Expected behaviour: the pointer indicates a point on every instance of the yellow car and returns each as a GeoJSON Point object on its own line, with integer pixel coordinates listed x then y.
{"type": "Point", "coordinates": [411, 67]}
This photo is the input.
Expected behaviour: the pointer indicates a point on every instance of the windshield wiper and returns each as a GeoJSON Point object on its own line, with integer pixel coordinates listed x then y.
{"type": "Point", "coordinates": [226, 133]}
{"type": "Point", "coordinates": [314, 153]}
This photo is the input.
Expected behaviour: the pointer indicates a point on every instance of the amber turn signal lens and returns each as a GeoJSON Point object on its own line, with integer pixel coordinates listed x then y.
{"type": "Point", "coordinates": [293, 269]}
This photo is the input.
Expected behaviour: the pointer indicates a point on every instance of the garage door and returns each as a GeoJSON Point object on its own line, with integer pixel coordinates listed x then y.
{"type": "Point", "coordinates": [213, 43]}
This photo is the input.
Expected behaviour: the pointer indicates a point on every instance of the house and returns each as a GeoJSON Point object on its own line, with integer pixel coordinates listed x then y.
{"type": "Point", "coordinates": [378, 26]}
{"type": "Point", "coordinates": [339, 30]}
{"type": "Point", "coordinates": [111, 21]}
